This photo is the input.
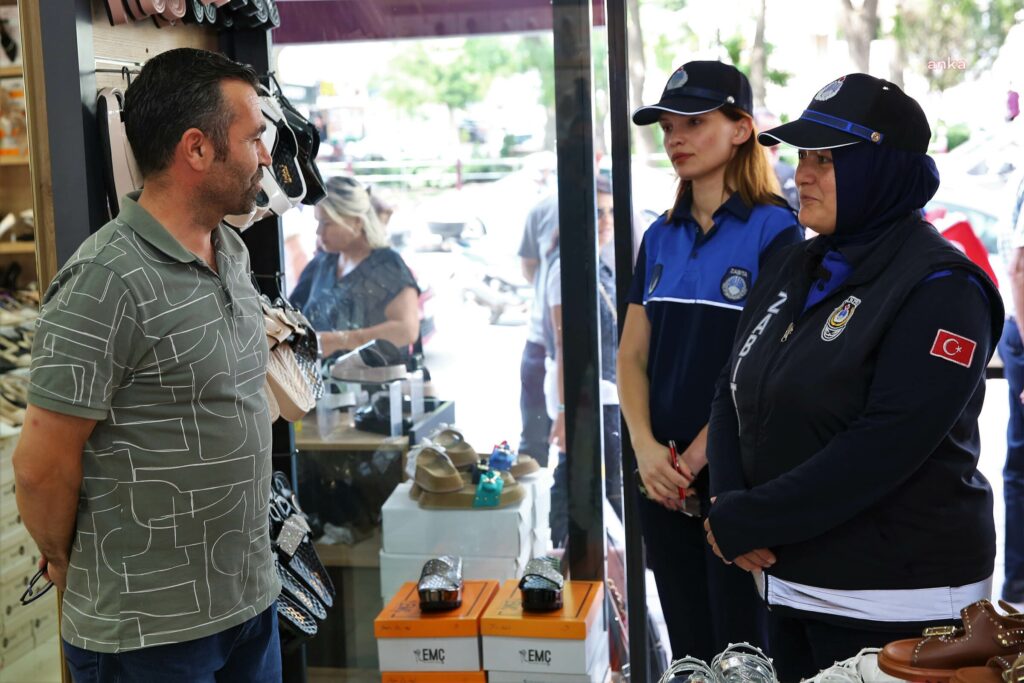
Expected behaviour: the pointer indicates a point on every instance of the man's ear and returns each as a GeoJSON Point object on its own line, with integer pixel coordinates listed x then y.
{"type": "Point", "coordinates": [197, 149]}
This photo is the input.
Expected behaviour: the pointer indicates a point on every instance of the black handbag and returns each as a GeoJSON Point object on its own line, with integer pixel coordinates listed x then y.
{"type": "Point", "coordinates": [306, 589]}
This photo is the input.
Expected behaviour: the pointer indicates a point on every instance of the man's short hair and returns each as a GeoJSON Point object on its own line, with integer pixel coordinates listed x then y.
{"type": "Point", "coordinates": [177, 90]}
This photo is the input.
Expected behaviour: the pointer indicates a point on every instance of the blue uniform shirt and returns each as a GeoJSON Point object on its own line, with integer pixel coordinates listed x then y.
{"type": "Point", "coordinates": [693, 286]}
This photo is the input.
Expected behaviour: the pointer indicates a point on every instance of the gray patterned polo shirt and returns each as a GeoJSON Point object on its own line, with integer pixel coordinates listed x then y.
{"type": "Point", "coordinates": [138, 333]}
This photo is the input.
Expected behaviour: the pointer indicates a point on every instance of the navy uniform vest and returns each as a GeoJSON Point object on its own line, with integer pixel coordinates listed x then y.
{"type": "Point", "coordinates": [799, 379]}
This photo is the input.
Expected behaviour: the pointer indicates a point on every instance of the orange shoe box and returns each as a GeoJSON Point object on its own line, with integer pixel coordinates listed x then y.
{"type": "Point", "coordinates": [566, 641]}
{"type": "Point", "coordinates": [410, 640]}
{"type": "Point", "coordinates": [433, 677]}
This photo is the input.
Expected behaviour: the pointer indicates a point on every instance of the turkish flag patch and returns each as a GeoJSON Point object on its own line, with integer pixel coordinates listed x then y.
{"type": "Point", "coordinates": [954, 348]}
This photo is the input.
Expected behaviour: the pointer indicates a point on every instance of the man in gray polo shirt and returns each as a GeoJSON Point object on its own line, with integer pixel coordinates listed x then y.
{"type": "Point", "coordinates": [143, 469]}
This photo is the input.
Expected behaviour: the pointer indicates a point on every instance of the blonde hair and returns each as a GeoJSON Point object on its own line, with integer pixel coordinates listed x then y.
{"type": "Point", "coordinates": [347, 197]}
{"type": "Point", "coordinates": [748, 172]}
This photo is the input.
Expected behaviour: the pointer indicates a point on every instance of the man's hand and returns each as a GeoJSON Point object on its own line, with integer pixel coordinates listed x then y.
{"type": "Point", "coordinates": [661, 480]}
{"type": "Point", "coordinates": [48, 479]}
{"type": "Point", "coordinates": [55, 572]}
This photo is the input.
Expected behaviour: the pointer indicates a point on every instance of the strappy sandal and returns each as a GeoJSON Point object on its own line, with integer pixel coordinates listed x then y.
{"type": "Point", "coordinates": [433, 470]}
{"type": "Point", "coordinates": [454, 443]}
{"type": "Point", "coordinates": [440, 584]}
{"type": "Point", "coordinates": [996, 670]}
{"type": "Point", "coordinates": [493, 490]}
{"type": "Point", "coordinates": [541, 585]}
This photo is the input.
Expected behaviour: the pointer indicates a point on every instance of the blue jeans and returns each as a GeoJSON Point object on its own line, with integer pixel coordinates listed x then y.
{"type": "Point", "coordinates": [532, 406]}
{"type": "Point", "coordinates": [1012, 352]}
{"type": "Point", "coordinates": [247, 653]}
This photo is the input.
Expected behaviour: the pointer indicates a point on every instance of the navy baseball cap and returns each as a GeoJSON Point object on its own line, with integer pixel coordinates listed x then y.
{"type": "Point", "coordinates": [856, 108]}
{"type": "Point", "coordinates": [697, 88]}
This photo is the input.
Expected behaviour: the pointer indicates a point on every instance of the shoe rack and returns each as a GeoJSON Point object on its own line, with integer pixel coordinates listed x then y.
{"type": "Point", "coordinates": [15, 175]}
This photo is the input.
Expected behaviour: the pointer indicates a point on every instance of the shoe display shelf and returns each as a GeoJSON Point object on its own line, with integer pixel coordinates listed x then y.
{"type": "Point", "coordinates": [344, 477]}
{"type": "Point", "coordinates": [16, 243]}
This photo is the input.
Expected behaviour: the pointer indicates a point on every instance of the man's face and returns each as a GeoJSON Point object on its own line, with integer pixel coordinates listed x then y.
{"type": "Point", "coordinates": [235, 180]}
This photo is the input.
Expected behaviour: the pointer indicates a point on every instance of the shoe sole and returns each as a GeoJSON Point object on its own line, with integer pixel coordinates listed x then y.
{"type": "Point", "coordinates": [910, 673]}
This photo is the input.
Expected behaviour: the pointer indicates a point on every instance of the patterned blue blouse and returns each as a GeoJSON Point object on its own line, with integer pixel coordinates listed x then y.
{"type": "Point", "coordinates": [356, 300]}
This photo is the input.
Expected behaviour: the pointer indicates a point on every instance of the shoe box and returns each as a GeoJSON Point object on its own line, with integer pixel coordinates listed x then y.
{"type": "Point", "coordinates": [412, 641]}
{"type": "Point", "coordinates": [568, 641]}
{"type": "Point", "coordinates": [469, 533]}
{"type": "Point", "coordinates": [540, 483]}
{"type": "Point", "coordinates": [599, 672]}
{"type": "Point", "coordinates": [433, 677]}
{"type": "Point", "coordinates": [398, 568]}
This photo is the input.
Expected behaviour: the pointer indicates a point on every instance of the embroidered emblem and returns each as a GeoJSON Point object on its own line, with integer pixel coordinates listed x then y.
{"type": "Point", "coordinates": [830, 90]}
{"type": "Point", "coordinates": [954, 348]}
{"type": "Point", "coordinates": [678, 79]}
{"type": "Point", "coordinates": [840, 317]}
{"type": "Point", "coordinates": [735, 284]}
{"type": "Point", "coordinates": [655, 278]}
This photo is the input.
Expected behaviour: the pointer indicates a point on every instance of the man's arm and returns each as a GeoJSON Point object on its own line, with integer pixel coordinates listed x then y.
{"type": "Point", "coordinates": [48, 478]}
{"type": "Point", "coordinates": [530, 266]}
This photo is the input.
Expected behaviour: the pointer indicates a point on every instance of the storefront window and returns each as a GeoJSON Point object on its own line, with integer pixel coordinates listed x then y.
{"type": "Point", "coordinates": [453, 134]}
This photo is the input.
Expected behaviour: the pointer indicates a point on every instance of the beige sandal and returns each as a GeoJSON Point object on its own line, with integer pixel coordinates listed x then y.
{"type": "Point", "coordinates": [524, 466]}
{"type": "Point", "coordinates": [467, 497]}
{"type": "Point", "coordinates": [435, 472]}
{"type": "Point", "coordinates": [454, 444]}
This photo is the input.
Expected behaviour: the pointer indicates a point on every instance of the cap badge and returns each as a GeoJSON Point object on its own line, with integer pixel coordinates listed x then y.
{"type": "Point", "coordinates": [678, 79]}
{"type": "Point", "coordinates": [830, 90]}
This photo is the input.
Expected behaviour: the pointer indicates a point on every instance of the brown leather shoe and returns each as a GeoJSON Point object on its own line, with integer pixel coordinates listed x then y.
{"type": "Point", "coordinates": [985, 633]}
{"type": "Point", "coordinates": [996, 670]}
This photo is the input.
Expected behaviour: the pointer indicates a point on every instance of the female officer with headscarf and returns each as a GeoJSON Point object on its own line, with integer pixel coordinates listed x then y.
{"type": "Point", "coordinates": [843, 443]}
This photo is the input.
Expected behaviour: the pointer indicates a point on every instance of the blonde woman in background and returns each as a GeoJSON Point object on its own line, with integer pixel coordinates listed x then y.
{"type": "Point", "coordinates": [356, 288]}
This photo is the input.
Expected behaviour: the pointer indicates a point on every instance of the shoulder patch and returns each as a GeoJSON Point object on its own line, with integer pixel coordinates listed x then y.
{"type": "Point", "coordinates": [735, 283]}
{"type": "Point", "coordinates": [954, 348]}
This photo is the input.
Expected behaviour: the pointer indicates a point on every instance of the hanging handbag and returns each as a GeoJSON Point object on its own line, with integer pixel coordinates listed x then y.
{"type": "Point", "coordinates": [306, 589]}
{"type": "Point", "coordinates": [293, 370]}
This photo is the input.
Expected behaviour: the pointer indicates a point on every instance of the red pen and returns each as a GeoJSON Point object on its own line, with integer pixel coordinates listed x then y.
{"type": "Point", "coordinates": [675, 465]}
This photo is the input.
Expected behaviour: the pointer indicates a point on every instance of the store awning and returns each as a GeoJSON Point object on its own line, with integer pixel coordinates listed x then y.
{"type": "Point", "coordinates": [329, 21]}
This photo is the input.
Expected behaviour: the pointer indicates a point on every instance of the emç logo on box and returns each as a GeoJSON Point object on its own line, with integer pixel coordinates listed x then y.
{"type": "Point", "coordinates": [430, 655]}
{"type": "Point", "coordinates": [531, 656]}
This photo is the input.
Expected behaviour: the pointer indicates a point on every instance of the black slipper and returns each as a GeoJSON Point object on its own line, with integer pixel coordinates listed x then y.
{"type": "Point", "coordinates": [541, 585]}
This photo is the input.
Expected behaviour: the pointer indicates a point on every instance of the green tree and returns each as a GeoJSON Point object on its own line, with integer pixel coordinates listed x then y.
{"type": "Point", "coordinates": [455, 78]}
{"type": "Point", "coordinates": [932, 31]}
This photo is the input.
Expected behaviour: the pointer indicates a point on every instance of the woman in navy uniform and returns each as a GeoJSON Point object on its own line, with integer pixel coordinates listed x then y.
{"type": "Point", "coordinates": [694, 270]}
{"type": "Point", "coordinates": [844, 441]}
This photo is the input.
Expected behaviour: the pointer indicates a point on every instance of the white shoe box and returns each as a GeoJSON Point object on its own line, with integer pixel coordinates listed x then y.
{"type": "Point", "coordinates": [598, 672]}
{"type": "Point", "coordinates": [540, 542]}
{"type": "Point", "coordinates": [567, 641]}
{"type": "Point", "coordinates": [467, 532]}
{"type": "Point", "coordinates": [540, 483]}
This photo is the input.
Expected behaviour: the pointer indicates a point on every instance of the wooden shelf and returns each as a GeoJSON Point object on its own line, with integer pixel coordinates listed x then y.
{"type": "Point", "coordinates": [13, 161]}
{"type": "Point", "coordinates": [17, 247]}
{"type": "Point", "coordinates": [365, 553]}
{"type": "Point", "coordinates": [10, 72]}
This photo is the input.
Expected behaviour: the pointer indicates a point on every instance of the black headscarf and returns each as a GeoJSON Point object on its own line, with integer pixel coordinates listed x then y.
{"type": "Point", "coordinates": [877, 185]}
